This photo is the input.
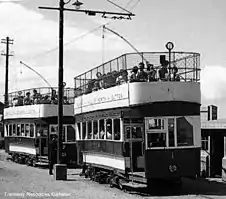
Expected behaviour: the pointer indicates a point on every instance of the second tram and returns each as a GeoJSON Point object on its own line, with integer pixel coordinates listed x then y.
{"type": "Point", "coordinates": [31, 120]}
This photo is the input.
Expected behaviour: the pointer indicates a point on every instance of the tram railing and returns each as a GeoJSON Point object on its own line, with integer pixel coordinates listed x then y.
{"type": "Point", "coordinates": [42, 95]}
{"type": "Point", "coordinates": [187, 64]}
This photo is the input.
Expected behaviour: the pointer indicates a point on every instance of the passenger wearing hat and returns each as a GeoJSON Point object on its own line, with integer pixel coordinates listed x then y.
{"type": "Point", "coordinates": [27, 99]}
{"type": "Point", "coordinates": [142, 76]}
{"type": "Point", "coordinates": [52, 153]}
{"type": "Point", "coordinates": [133, 77]}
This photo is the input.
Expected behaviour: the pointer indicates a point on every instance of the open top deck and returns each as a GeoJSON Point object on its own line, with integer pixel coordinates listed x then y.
{"type": "Point", "coordinates": [42, 95]}
{"type": "Point", "coordinates": [183, 67]}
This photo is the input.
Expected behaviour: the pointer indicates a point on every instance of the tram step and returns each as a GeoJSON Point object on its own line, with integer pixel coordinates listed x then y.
{"type": "Point", "coordinates": [138, 177]}
{"type": "Point", "coordinates": [42, 164]}
{"type": "Point", "coordinates": [133, 185]}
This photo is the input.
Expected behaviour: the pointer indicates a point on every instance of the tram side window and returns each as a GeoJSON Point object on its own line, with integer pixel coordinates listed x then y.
{"type": "Point", "coordinates": [79, 130]}
{"type": "Point", "coordinates": [184, 132]}
{"type": "Point", "coordinates": [116, 129]}
{"type": "Point", "coordinates": [95, 129]}
{"type": "Point", "coordinates": [156, 140]}
{"type": "Point", "coordinates": [70, 133]}
{"type": "Point", "coordinates": [155, 124]}
{"type": "Point", "coordinates": [18, 131]}
{"type": "Point", "coordinates": [10, 130]}
{"type": "Point", "coordinates": [89, 130]}
{"type": "Point", "coordinates": [108, 134]}
{"type": "Point", "coordinates": [205, 142]}
{"type": "Point", "coordinates": [14, 129]}
{"type": "Point", "coordinates": [31, 130]}
{"type": "Point", "coordinates": [22, 130]}
{"type": "Point", "coordinates": [44, 128]}
{"type": "Point", "coordinates": [83, 130]}
{"type": "Point", "coordinates": [171, 132]}
{"type": "Point", "coordinates": [63, 134]}
{"type": "Point", "coordinates": [53, 129]}
{"type": "Point", "coordinates": [102, 128]}
{"type": "Point", "coordinates": [136, 132]}
{"type": "Point", "coordinates": [27, 130]}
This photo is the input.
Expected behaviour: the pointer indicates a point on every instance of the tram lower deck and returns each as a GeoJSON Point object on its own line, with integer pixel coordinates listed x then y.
{"type": "Point", "coordinates": [133, 144]}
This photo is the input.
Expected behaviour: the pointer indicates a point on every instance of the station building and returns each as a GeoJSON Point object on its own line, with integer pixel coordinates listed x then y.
{"type": "Point", "coordinates": [213, 153]}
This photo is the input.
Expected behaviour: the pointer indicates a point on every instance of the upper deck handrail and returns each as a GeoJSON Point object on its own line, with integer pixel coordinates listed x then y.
{"type": "Point", "coordinates": [184, 66]}
{"type": "Point", "coordinates": [41, 95]}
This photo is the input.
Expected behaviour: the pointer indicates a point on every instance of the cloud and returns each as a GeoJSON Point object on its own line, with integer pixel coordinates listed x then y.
{"type": "Point", "coordinates": [213, 82]}
{"type": "Point", "coordinates": [33, 35]}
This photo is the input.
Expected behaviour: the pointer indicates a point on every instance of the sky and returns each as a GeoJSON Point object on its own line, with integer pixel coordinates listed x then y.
{"type": "Point", "coordinates": [193, 26]}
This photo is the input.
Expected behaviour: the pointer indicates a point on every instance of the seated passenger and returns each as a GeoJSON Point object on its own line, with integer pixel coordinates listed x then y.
{"type": "Point", "coordinates": [15, 101]}
{"type": "Point", "coordinates": [27, 99]}
{"type": "Point", "coordinates": [163, 71]}
{"type": "Point", "coordinates": [20, 99]}
{"type": "Point", "coordinates": [142, 76]}
{"type": "Point", "coordinates": [108, 134]}
{"type": "Point", "coordinates": [95, 135]}
{"type": "Point", "coordinates": [35, 96]}
{"type": "Point", "coordinates": [54, 97]}
{"type": "Point", "coordinates": [110, 80]}
{"type": "Point", "coordinates": [45, 100]}
{"type": "Point", "coordinates": [102, 133]}
{"type": "Point", "coordinates": [151, 72]}
{"type": "Point", "coordinates": [133, 77]}
{"type": "Point", "coordinates": [96, 86]}
{"type": "Point", "coordinates": [117, 135]}
{"type": "Point", "coordinates": [175, 71]}
{"type": "Point", "coordinates": [65, 100]}
{"type": "Point", "coordinates": [123, 77]}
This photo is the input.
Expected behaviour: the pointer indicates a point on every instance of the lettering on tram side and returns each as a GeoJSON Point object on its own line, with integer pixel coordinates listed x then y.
{"type": "Point", "coordinates": [21, 112]}
{"type": "Point", "coordinates": [100, 99]}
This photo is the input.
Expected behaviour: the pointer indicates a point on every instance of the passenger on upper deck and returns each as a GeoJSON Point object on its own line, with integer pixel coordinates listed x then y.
{"type": "Point", "coordinates": [54, 98]}
{"type": "Point", "coordinates": [123, 77]}
{"type": "Point", "coordinates": [133, 77]}
{"type": "Point", "coordinates": [163, 71]}
{"type": "Point", "coordinates": [20, 99]}
{"type": "Point", "coordinates": [45, 100]}
{"type": "Point", "coordinates": [142, 76]}
{"type": "Point", "coordinates": [176, 76]}
{"type": "Point", "coordinates": [151, 72]}
{"type": "Point", "coordinates": [97, 83]}
{"type": "Point", "coordinates": [36, 97]}
{"type": "Point", "coordinates": [27, 99]}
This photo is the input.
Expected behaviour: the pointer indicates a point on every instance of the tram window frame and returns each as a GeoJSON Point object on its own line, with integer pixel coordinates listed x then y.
{"type": "Point", "coordinates": [79, 129]}
{"type": "Point", "coordinates": [27, 131]}
{"type": "Point", "coordinates": [66, 135]}
{"type": "Point", "coordinates": [186, 134]}
{"type": "Point", "coordinates": [18, 129]}
{"type": "Point", "coordinates": [96, 134]}
{"type": "Point", "coordinates": [174, 137]}
{"type": "Point", "coordinates": [117, 128]}
{"type": "Point", "coordinates": [10, 128]}
{"type": "Point", "coordinates": [109, 129]}
{"type": "Point", "coordinates": [32, 130]}
{"type": "Point", "coordinates": [14, 130]}
{"type": "Point", "coordinates": [102, 129]}
{"type": "Point", "coordinates": [89, 133]}
{"type": "Point", "coordinates": [161, 129]}
{"type": "Point", "coordinates": [83, 130]}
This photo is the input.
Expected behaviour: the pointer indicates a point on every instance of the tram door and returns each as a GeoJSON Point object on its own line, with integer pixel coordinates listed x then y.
{"type": "Point", "coordinates": [135, 146]}
{"type": "Point", "coordinates": [42, 139]}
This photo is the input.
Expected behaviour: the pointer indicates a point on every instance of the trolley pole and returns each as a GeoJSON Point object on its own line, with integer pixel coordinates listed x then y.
{"type": "Point", "coordinates": [61, 10]}
{"type": "Point", "coordinates": [169, 47]}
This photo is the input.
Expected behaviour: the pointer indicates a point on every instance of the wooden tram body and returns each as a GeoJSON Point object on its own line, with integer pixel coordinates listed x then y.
{"type": "Point", "coordinates": [154, 125]}
{"type": "Point", "coordinates": [28, 128]}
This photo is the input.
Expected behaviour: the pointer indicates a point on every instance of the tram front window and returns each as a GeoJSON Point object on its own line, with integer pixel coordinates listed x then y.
{"type": "Point", "coordinates": [136, 132]}
{"type": "Point", "coordinates": [184, 132]}
{"type": "Point", "coordinates": [156, 140]}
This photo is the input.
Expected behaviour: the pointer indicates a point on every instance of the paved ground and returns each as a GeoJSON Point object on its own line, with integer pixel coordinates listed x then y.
{"type": "Point", "coordinates": [21, 181]}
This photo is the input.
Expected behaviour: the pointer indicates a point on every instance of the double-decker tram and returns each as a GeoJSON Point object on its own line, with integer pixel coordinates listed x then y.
{"type": "Point", "coordinates": [30, 121]}
{"type": "Point", "coordinates": [138, 118]}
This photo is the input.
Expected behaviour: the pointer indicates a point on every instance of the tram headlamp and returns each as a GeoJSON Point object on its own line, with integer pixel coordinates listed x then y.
{"type": "Point", "coordinates": [172, 168]}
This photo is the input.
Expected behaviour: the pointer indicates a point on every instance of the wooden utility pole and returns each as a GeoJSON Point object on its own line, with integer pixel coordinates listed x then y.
{"type": "Point", "coordinates": [7, 41]}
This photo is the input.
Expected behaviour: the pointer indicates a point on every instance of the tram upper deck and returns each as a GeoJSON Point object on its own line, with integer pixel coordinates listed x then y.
{"type": "Point", "coordinates": [38, 102]}
{"type": "Point", "coordinates": [135, 79]}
